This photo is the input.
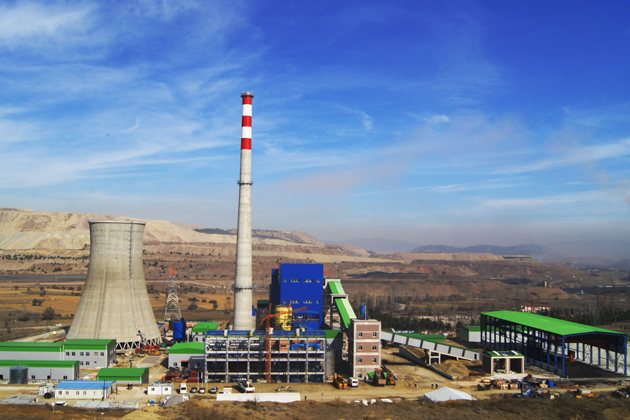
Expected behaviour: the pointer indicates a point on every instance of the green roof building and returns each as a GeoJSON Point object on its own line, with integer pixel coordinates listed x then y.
{"type": "Point", "coordinates": [42, 369]}
{"type": "Point", "coordinates": [134, 376]}
{"type": "Point", "coordinates": [554, 344]}
{"type": "Point", "coordinates": [199, 331]}
{"type": "Point", "coordinates": [90, 354]}
{"type": "Point", "coordinates": [187, 354]}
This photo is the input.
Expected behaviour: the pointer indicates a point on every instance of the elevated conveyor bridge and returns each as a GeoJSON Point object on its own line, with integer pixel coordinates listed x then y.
{"type": "Point", "coordinates": [436, 348]}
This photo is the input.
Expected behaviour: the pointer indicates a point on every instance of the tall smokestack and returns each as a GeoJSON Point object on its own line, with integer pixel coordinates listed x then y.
{"type": "Point", "coordinates": [243, 319]}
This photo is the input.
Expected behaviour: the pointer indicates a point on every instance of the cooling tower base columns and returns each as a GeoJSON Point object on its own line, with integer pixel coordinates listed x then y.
{"type": "Point", "coordinates": [115, 303]}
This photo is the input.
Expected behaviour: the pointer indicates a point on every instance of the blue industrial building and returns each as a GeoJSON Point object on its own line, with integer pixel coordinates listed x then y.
{"type": "Point", "coordinates": [300, 285]}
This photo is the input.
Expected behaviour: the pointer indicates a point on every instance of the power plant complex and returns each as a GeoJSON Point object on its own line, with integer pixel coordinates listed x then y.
{"type": "Point", "coordinates": [306, 331]}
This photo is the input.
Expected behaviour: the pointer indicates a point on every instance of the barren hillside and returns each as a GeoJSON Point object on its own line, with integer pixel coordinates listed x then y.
{"type": "Point", "coordinates": [24, 230]}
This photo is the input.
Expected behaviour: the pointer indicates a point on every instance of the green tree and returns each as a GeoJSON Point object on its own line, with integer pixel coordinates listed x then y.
{"type": "Point", "coordinates": [48, 314]}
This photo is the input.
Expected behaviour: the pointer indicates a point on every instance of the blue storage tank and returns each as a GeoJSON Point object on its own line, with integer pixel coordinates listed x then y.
{"type": "Point", "coordinates": [362, 311]}
{"type": "Point", "coordinates": [179, 331]}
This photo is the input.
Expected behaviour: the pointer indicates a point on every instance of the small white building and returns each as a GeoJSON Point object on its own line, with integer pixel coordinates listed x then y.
{"type": "Point", "coordinates": [160, 389]}
{"type": "Point", "coordinates": [469, 333]}
{"type": "Point", "coordinates": [82, 390]}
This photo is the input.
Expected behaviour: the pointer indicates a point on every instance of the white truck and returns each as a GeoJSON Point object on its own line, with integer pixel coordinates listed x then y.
{"type": "Point", "coordinates": [183, 389]}
{"type": "Point", "coordinates": [353, 382]}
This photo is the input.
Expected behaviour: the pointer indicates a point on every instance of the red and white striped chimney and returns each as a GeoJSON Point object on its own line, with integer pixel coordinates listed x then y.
{"type": "Point", "coordinates": [243, 318]}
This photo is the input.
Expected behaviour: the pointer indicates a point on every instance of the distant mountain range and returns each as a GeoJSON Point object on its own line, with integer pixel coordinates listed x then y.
{"type": "Point", "coordinates": [611, 254]}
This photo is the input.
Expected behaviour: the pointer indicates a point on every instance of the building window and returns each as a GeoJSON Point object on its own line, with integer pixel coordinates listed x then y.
{"type": "Point", "coordinates": [65, 377]}
{"type": "Point", "coordinates": [81, 354]}
{"type": "Point", "coordinates": [67, 353]}
{"type": "Point", "coordinates": [284, 301]}
{"type": "Point", "coordinates": [317, 280]}
{"type": "Point", "coordinates": [73, 353]}
{"type": "Point", "coordinates": [102, 353]}
{"type": "Point", "coordinates": [373, 359]}
{"type": "Point", "coordinates": [360, 360]}
{"type": "Point", "coordinates": [360, 347]}
{"type": "Point", "coordinates": [81, 363]}
{"type": "Point", "coordinates": [84, 392]}
{"type": "Point", "coordinates": [32, 376]}
{"type": "Point", "coordinates": [295, 301]}
{"type": "Point", "coordinates": [295, 280]}
{"type": "Point", "coordinates": [317, 301]}
{"type": "Point", "coordinates": [360, 375]}
{"type": "Point", "coordinates": [77, 392]}
{"type": "Point", "coordinates": [67, 392]}
{"type": "Point", "coordinates": [87, 363]}
{"type": "Point", "coordinates": [308, 301]}
{"type": "Point", "coordinates": [374, 347]}
{"type": "Point", "coordinates": [374, 334]}
{"type": "Point", "coordinates": [360, 334]}
{"type": "Point", "coordinates": [87, 353]}
{"type": "Point", "coordinates": [308, 280]}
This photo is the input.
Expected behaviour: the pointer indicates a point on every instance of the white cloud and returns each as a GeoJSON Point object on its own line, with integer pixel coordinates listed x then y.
{"type": "Point", "coordinates": [25, 21]}
{"type": "Point", "coordinates": [437, 119]}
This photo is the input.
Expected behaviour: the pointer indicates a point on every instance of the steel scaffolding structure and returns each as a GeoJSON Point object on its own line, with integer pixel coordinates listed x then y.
{"type": "Point", "coordinates": [236, 355]}
{"type": "Point", "coordinates": [550, 343]}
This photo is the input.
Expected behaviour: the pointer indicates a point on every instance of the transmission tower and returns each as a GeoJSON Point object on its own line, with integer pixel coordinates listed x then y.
{"type": "Point", "coordinates": [171, 308]}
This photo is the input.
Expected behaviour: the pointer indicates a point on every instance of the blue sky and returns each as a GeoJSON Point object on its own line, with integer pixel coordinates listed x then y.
{"type": "Point", "coordinates": [449, 122]}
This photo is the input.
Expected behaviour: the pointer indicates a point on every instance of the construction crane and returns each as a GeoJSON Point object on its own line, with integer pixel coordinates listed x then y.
{"type": "Point", "coordinates": [267, 319]}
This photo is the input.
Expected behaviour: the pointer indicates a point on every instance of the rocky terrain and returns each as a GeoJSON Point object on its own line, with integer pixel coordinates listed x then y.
{"type": "Point", "coordinates": [50, 247]}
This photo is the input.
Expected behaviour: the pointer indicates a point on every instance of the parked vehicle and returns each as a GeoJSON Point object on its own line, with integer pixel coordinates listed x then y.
{"type": "Point", "coordinates": [340, 382]}
{"type": "Point", "coordinates": [193, 390]}
{"type": "Point", "coordinates": [245, 387]}
{"type": "Point", "coordinates": [213, 390]}
{"type": "Point", "coordinates": [183, 389]}
{"type": "Point", "coordinates": [353, 382]}
{"type": "Point", "coordinates": [202, 390]}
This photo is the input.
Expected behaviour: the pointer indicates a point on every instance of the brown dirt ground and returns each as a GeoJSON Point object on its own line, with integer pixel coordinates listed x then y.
{"type": "Point", "coordinates": [491, 409]}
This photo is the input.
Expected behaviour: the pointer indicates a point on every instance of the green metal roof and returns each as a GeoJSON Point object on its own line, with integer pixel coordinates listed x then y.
{"type": "Point", "coordinates": [202, 327]}
{"type": "Point", "coordinates": [122, 373]}
{"type": "Point", "coordinates": [40, 363]}
{"type": "Point", "coordinates": [34, 347]}
{"type": "Point", "coordinates": [336, 288]}
{"type": "Point", "coordinates": [427, 337]}
{"type": "Point", "coordinates": [345, 310]}
{"type": "Point", "coordinates": [188, 348]}
{"type": "Point", "coordinates": [510, 353]}
{"type": "Point", "coordinates": [89, 344]}
{"type": "Point", "coordinates": [545, 323]}
{"type": "Point", "coordinates": [332, 333]}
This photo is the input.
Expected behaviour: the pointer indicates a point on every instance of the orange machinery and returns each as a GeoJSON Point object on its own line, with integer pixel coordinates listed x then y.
{"type": "Point", "coordinates": [266, 319]}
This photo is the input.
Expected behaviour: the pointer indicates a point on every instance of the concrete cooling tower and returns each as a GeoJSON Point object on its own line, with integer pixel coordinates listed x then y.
{"type": "Point", "coordinates": [115, 302]}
